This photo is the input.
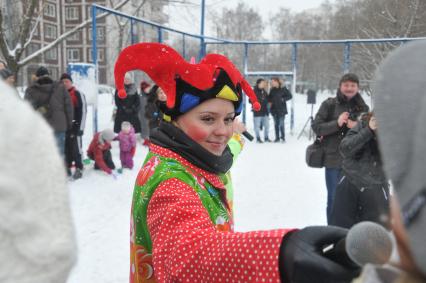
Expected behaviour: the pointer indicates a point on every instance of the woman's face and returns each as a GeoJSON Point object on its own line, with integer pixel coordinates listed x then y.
{"type": "Point", "coordinates": [275, 83]}
{"type": "Point", "coordinates": [209, 124]}
{"type": "Point", "coordinates": [161, 95]}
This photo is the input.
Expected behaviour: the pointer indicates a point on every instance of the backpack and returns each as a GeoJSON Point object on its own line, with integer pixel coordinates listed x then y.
{"type": "Point", "coordinates": [45, 109]}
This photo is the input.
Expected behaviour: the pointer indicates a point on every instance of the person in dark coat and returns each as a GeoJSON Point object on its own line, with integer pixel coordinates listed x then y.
{"type": "Point", "coordinates": [51, 100]}
{"type": "Point", "coordinates": [73, 139]}
{"type": "Point", "coordinates": [278, 97]}
{"type": "Point", "coordinates": [145, 88]}
{"type": "Point", "coordinates": [334, 117]}
{"type": "Point", "coordinates": [8, 76]}
{"type": "Point", "coordinates": [261, 117]}
{"type": "Point", "coordinates": [127, 108]}
{"type": "Point", "coordinates": [153, 109]}
{"type": "Point", "coordinates": [363, 192]}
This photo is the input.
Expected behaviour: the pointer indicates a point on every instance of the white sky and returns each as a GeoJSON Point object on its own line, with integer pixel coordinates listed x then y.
{"type": "Point", "coordinates": [187, 17]}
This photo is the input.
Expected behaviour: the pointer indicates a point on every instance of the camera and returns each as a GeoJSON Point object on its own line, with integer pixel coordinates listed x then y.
{"type": "Point", "coordinates": [353, 116]}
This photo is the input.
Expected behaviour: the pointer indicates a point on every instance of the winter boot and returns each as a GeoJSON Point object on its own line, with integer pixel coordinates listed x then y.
{"type": "Point", "coordinates": [77, 174]}
{"type": "Point", "coordinates": [259, 140]}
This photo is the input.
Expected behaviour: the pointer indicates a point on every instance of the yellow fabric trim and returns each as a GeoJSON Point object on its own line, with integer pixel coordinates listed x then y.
{"type": "Point", "coordinates": [167, 118]}
{"type": "Point", "coordinates": [227, 93]}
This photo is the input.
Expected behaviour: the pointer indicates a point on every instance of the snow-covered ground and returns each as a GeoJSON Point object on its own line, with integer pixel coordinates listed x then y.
{"type": "Point", "coordinates": [273, 189]}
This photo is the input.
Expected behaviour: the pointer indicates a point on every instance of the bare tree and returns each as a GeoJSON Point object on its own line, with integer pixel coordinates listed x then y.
{"type": "Point", "coordinates": [13, 54]}
{"type": "Point", "coordinates": [241, 23]}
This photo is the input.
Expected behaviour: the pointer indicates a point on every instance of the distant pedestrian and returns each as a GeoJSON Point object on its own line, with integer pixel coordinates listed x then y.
{"type": "Point", "coordinates": [278, 97]}
{"type": "Point", "coordinates": [100, 151]}
{"type": "Point", "coordinates": [128, 108]}
{"type": "Point", "coordinates": [261, 118]}
{"type": "Point", "coordinates": [73, 139]}
{"type": "Point", "coordinates": [52, 101]}
{"type": "Point", "coordinates": [127, 143]}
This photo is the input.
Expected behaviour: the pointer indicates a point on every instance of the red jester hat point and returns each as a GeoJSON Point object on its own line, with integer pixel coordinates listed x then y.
{"type": "Point", "coordinates": [163, 64]}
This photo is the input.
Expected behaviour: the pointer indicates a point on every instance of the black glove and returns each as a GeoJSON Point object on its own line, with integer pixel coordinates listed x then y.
{"type": "Point", "coordinates": [301, 258]}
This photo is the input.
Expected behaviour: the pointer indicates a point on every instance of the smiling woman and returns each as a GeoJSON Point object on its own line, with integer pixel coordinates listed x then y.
{"type": "Point", "coordinates": [181, 222]}
{"type": "Point", "coordinates": [210, 124]}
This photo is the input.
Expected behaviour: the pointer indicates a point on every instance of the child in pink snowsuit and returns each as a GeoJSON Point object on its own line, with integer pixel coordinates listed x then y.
{"type": "Point", "coordinates": [127, 141]}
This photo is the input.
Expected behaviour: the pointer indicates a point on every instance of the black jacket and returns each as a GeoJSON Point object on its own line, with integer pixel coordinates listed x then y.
{"type": "Point", "coordinates": [127, 109]}
{"type": "Point", "coordinates": [80, 113]}
{"type": "Point", "coordinates": [325, 124]}
{"type": "Point", "coordinates": [278, 97]}
{"type": "Point", "coordinates": [61, 111]}
{"type": "Point", "coordinates": [362, 162]}
{"type": "Point", "coordinates": [262, 97]}
{"type": "Point", "coordinates": [153, 111]}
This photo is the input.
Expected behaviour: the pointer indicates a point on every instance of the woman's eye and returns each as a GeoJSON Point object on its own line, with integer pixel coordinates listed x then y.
{"type": "Point", "coordinates": [207, 119]}
{"type": "Point", "coordinates": [229, 120]}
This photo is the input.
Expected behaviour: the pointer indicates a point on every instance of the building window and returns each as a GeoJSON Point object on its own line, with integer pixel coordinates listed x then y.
{"type": "Point", "coordinates": [32, 48]}
{"type": "Point", "coordinates": [50, 31]}
{"type": "Point", "coordinates": [36, 31]}
{"type": "Point", "coordinates": [100, 33]}
{"type": "Point", "coordinates": [72, 13]}
{"type": "Point", "coordinates": [53, 72]}
{"type": "Point", "coordinates": [75, 36]}
{"type": "Point", "coordinates": [50, 10]}
{"type": "Point", "coordinates": [73, 55]}
{"type": "Point", "coordinates": [101, 55]}
{"type": "Point", "coordinates": [51, 54]}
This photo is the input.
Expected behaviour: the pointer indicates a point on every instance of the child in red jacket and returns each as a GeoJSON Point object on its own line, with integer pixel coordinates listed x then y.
{"type": "Point", "coordinates": [99, 151]}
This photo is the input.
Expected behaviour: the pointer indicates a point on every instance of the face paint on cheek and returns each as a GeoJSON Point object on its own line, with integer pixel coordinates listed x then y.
{"type": "Point", "coordinates": [196, 133]}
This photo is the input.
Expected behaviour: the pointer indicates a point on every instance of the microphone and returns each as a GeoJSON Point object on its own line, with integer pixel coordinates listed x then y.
{"type": "Point", "coordinates": [248, 135]}
{"type": "Point", "coordinates": [366, 242]}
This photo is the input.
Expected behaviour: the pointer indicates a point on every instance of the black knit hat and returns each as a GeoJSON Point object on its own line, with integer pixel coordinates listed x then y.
{"type": "Point", "coordinates": [5, 73]}
{"type": "Point", "coordinates": [349, 77]}
{"type": "Point", "coordinates": [42, 71]}
{"type": "Point", "coordinates": [65, 76]}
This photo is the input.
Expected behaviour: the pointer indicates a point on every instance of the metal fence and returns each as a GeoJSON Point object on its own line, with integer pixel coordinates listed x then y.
{"type": "Point", "coordinates": [184, 43]}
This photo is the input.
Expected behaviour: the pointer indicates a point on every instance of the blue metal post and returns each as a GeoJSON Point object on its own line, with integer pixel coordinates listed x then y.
{"type": "Point", "coordinates": [160, 35]}
{"type": "Point", "coordinates": [293, 85]}
{"type": "Point", "coordinates": [245, 72]}
{"type": "Point", "coordinates": [347, 58]}
{"type": "Point", "coordinates": [202, 45]}
{"type": "Point", "coordinates": [95, 62]}
{"type": "Point", "coordinates": [132, 32]}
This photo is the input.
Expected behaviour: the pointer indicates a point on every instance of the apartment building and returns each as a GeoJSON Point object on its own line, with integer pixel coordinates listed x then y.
{"type": "Point", "coordinates": [58, 17]}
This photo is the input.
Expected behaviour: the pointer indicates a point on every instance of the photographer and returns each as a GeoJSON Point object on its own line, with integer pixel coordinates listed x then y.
{"type": "Point", "coordinates": [363, 192]}
{"type": "Point", "coordinates": [335, 116]}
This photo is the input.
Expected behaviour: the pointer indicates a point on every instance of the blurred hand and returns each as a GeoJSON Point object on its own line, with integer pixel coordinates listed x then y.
{"type": "Point", "coordinates": [350, 124]}
{"type": "Point", "coordinates": [343, 119]}
{"type": "Point", "coordinates": [373, 123]}
{"type": "Point", "coordinates": [303, 260]}
{"type": "Point", "coordinates": [239, 127]}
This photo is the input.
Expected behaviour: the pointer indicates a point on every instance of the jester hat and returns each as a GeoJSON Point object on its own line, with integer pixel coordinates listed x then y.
{"type": "Point", "coordinates": [186, 85]}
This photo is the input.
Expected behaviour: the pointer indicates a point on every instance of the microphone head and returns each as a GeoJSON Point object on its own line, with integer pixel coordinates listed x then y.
{"type": "Point", "coordinates": [368, 242]}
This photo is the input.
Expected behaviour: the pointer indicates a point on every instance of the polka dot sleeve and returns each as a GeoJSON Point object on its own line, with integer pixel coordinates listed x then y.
{"type": "Point", "coordinates": [188, 248]}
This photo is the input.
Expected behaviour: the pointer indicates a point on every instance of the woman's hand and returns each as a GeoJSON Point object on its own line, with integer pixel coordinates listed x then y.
{"type": "Point", "coordinates": [239, 127]}
{"type": "Point", "coordinates": [343, 119]}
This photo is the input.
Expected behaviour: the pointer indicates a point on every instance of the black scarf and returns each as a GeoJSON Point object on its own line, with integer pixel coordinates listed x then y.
{"type": "Point", "coordinates": [171, 137]}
